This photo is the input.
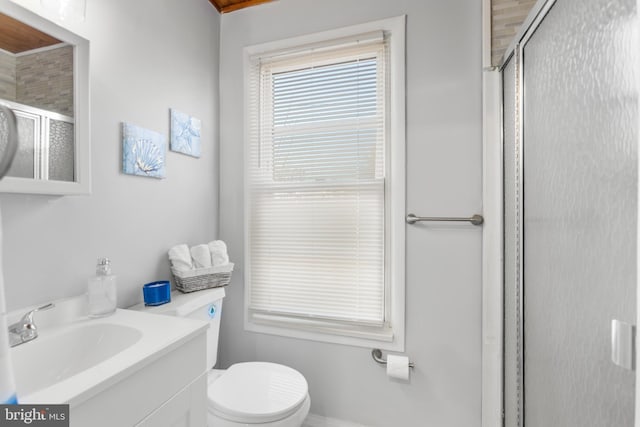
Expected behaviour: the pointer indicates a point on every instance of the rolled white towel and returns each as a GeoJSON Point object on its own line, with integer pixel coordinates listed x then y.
{"type": "Point", "coordinates": [219, 256]}
{"type": "Point", "coordinates": [180, 257]}
{"type": "Point", "coordinates": [201, 256]}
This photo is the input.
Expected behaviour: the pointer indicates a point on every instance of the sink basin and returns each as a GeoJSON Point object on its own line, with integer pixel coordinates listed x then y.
{"type": "Point", "coordinates": [54, 357]}
{"type": "Point", "coordinates": [75, 358]}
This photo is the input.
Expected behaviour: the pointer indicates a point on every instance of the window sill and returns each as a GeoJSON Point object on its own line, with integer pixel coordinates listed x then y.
{"type": "Point", "coordinates": [383, 339]}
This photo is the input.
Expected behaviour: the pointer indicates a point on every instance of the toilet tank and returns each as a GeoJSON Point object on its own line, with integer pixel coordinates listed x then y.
{"type": "Point", "coordinates": [202, 305]}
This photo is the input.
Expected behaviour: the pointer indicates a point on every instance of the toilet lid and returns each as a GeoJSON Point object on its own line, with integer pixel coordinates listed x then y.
{"type": "Point", "coordinates": [257, 392]}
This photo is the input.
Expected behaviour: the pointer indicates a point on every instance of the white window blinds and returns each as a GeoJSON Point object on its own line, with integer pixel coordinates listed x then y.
{"type": "Point", "coordinates": [316, 184]}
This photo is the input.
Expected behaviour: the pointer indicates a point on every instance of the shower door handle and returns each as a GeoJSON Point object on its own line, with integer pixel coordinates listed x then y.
{"type": "Point", "coordinates": [623, 338]}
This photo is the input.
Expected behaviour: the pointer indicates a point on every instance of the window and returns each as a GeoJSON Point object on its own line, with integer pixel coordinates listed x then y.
{"type": "Point", "coordinates": [325, 187]}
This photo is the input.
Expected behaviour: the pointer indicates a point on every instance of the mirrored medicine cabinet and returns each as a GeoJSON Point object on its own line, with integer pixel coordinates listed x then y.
{"type": "Point", "coordinates": [44, 80]}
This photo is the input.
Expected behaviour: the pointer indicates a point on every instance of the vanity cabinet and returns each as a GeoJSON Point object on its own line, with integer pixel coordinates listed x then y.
{"type": "Point", "coordinates": [185, 409]}
{"type": "Point", "coordinates": [170, 390]}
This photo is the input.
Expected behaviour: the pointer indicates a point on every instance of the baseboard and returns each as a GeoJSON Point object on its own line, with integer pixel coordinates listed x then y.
{"type": "Point", "coordinates": [314, 420]}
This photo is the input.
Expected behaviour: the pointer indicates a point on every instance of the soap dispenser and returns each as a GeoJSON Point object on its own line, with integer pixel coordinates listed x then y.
{"type": "Point", "coordinates": [102, 290]}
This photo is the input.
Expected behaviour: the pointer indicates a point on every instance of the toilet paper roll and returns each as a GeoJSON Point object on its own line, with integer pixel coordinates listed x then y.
{"type": "Point", "coordinates": [398, 367]}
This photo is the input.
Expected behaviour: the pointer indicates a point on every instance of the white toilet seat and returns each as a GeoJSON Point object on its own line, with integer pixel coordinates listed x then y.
{"type": "Point", "coordinates": [257, 393]}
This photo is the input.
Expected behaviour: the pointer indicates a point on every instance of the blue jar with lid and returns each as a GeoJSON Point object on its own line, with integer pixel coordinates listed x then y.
{"type": "Point", "coordinates": [157, 293]}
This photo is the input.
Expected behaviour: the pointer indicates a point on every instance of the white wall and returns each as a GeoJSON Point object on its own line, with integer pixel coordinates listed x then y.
{"type": "Point", "coordinates": [444, 147]}
{"type": "Point", "coordinates": [146, 56]}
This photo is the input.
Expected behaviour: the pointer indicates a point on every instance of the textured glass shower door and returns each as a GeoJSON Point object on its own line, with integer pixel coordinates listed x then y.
{"type": "Point", "coordinates": [574, 180]}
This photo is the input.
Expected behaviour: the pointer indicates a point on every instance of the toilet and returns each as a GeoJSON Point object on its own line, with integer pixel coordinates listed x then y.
{"type": "Point", "coordinates": [256, 394]}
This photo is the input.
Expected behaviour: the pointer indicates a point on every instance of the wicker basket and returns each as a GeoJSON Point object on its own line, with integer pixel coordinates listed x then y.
{"type": "Point", "coordinates": [202, 278]}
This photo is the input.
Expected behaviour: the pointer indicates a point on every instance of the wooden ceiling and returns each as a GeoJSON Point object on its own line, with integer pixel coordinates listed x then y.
{"type": "Point", "coordinates": [16, 37]}
{"type": "Point", "coordinates": [226, 6]}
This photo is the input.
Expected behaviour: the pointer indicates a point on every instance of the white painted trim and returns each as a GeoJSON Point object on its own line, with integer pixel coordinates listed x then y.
{"type": "Point", "coordinates": [396, 180]}
{"type": "Point", "coordinates": [390, 24]}
{"type": "Point", "coordinates": [313, 420]}
{"type": "Point", "coordinates": [492, 248]}
{"type": "Point", "coordinates": [396, 184]}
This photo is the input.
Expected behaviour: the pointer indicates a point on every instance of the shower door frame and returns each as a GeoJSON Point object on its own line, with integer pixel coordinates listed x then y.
{"type": "Point", "coordinates": [493, 409]}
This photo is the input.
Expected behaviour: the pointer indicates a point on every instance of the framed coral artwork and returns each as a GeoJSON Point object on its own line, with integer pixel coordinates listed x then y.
{"type": "Point", "coordinates": [185, 133]}
{"type": "Point", "coordinates": [143, 151]}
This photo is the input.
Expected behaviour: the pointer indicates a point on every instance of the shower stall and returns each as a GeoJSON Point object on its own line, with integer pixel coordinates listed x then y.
{"type": "Point", "coordinates": [570, 204]}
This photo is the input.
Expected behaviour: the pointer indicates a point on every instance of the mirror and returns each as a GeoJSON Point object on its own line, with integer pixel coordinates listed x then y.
{"type": "Point", "coordinates": [44, 79]}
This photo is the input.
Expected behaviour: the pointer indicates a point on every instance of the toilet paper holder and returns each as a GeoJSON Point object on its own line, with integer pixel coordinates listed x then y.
{"type": "Point", "coordinates": [376, 353]}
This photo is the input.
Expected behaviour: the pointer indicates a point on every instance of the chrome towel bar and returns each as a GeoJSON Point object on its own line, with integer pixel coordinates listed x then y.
{"type": "Point", "coordinates": [475, 219]}
{"type": "Point", "coordinates": [376, 353]}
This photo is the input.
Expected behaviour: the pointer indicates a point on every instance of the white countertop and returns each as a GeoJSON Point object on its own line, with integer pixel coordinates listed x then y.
{"type": "Point", "coordinates": [158, 335]}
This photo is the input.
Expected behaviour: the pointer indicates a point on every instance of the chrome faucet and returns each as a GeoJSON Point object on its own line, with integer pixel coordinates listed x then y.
{"type": "Point", "coordinates": [25, 329]}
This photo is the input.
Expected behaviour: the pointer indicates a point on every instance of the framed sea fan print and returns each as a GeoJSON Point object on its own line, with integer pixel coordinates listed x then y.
{"type": "Point", "coordinates": [143, 151]}
{"type": "Point", "coordinates": [185, 133]}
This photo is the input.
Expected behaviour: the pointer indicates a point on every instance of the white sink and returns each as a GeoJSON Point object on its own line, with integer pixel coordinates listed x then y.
{"type": "Point", "coordinates": [58, 355]}
{"type": "Point", "coordinates": [100, 366]}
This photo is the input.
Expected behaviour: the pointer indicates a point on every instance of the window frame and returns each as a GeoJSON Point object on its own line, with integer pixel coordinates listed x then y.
{"type": "Point", "coordinates": [392, 336]}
